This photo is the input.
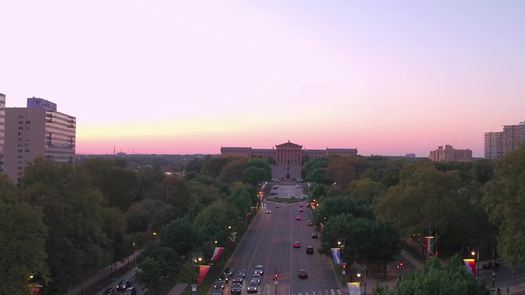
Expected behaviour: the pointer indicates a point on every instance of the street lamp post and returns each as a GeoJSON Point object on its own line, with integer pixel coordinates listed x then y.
{"type": "Point", "coordinates": [475, 253]}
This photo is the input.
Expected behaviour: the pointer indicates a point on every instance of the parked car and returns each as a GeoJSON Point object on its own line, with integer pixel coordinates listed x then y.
{"type": "Point", "coordinates": [314, 235]}
{"type": "Point", "coordinates": [303, 274]}
{"type": "Point", "coordinates": [309, 250]}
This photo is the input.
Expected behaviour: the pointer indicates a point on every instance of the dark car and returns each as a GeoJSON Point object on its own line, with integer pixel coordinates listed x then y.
{"type": "Point", "coordinates": [236, 288]}
{"type": "Point", "coordinates": [239, 278]}
{"type": "Point", "coordinates": [314, 235]}
{"type": "Point", "coordinates": [303, 274]}
{"type": "Point", "coordinates": [124, 284]}
{"type": "Point", "coordinates": [309, 250]}
{"type": "Point", "coordinates": [259, 270]}
{"type": "Point", "coordinates": [228, 274]}
{"type": "Point", "coordinates": [219, 284]}
{"type": "Point", "coordinates": [217, 292]}
{"type": "Point", "coordinates": [253, 287]}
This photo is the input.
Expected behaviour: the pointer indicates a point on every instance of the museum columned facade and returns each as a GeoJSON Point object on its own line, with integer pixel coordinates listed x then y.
{"type": "Point", "coordinates": [286, 154]}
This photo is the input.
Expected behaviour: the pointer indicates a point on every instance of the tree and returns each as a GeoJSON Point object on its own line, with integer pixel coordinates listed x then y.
{"type": "Point", "coordinates": [366, 190]}
{"type": "Point", "coordinates": [233, 171]}
{"type": "Point", "coordinates": [177, 195]}
{"type": "Point", "coordinates": [334, 206]}
{"type": "Point", "coordinates": [255, 175]}
{"type": "Point", "coordinates": [22, 241]}
{"type": "Point", "coordinates": [341, 171]}
{"type": "Point", "coordinates": [240, 198]}
{"type": "Point", "coordinates": [188, 273]}
{"type": "Point", "coordinates": [179, 236]}
{"type": "Point", "coordinates": [437, 279]}
{"type": "Point", "coordinates": [118, 185]}
{"type": "Point", "coordinates": [77, 243]}
{"type": "Point", "coordinates": [150, 272]}
{"type": "Point", "coordinates": [434, 193]}
{"type": "Point", "coordinates": [212, 222]}
{"type": "Point", "coordinates": [504, 200]}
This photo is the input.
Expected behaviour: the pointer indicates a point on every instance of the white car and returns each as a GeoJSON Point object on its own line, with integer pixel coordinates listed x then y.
{"type": "Point", "coordinates": [259, 270]}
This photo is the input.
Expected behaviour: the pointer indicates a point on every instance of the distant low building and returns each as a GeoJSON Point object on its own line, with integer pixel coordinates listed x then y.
{"type": "Point", "coordinates": [411, 155]}
{"type": "Point", "coordinates": [450, 154]}
{"type": "Point", "coordinates": [286, 154]}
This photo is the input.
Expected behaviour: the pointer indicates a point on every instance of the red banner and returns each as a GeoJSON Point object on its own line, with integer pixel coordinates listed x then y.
{"type": "Point", "coordinates": [471, 266]}
{"type": "Point", "coordinates": [203, 271]}
{"type": "Point", "coordinates": [217, 253]}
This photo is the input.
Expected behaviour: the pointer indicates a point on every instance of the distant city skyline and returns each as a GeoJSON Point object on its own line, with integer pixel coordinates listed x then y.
{"type": "Point", "coordinates": [385, 77]}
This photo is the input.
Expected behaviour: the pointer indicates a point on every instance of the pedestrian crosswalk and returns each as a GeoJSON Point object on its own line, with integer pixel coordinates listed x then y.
{"type": "Point", "coordinates": [321, 292]}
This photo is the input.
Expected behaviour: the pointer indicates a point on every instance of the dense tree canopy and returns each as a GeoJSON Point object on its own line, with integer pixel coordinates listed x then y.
{"type": "Point", "coordinates": [504, 200]}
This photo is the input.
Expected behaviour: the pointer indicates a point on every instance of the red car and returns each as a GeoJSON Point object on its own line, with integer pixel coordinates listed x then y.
{"type": "Point", "coordinates": [298, 217]}
{"type": "Point", "coordinates": [296, 244]}
{"type": "Point", "coordinates": [301, 210]}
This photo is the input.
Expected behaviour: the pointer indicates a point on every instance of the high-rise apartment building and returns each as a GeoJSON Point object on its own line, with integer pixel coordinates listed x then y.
{"type": "Point", "coordinates": [2, 128]}
{"type": "Point", "coordinates": [37, 131]}
{"type": "Point", "coordinates": [498, 144]}
{"type": "Point", "coordinates": [493, 145]}
{"type": "Point", "coordinates": [450, 154]}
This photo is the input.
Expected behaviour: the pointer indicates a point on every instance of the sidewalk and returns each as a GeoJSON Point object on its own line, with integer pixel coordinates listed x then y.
{"type": "Point", "coordinates": [415, 261]}
{"type": "Point", "coordinates": [178, 289]}
{"type": "Point", "coordinates": [101, 275]}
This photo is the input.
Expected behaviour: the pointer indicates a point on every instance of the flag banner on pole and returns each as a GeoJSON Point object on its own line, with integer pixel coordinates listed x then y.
{"type": "Point", "coordinates": [429, 245]}
{"type": "Point", "coordinates": [203, 271]}
{"type": "Point", "coordinates": [354, 288]}
{"type": "Point", "coordinates": [471, 266]}
{"type": "Point", "coordinates": [217, 253]}
{"type": "Point", "coordinates": [336, 255]}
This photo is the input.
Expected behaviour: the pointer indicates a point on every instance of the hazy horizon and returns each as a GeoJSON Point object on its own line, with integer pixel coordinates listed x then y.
{"type": "Point", "coordinates": [165, 77]}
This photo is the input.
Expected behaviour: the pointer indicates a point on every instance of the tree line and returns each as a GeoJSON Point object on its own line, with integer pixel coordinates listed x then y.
{"type": "Point", "coordinates": [62, 223]}
{"type": "Point", "coordinates": [372, 204]}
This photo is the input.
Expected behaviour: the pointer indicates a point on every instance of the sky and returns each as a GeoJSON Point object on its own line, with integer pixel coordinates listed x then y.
{"type": "Point", "coordinates": [180, 77]}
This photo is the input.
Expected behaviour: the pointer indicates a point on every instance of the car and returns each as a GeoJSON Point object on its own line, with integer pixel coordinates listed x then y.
{"type": "Point", "coordinates": [217, 292]}
{"type": "Point", "coordinates": [123, 285]}
{"type": "Point", "coordinates": [253, 287]}
{"type": "Point", "coordinates": [309, 250]}
{"type": "Point", "coordinates": [259, 269]}
{"type": "Point", "coordinates": [298, 217]}
{"type": "Point", "coordinates": [300, 205]}
{"type": "Point", "coordinates": [277, 206]}
{"type": "Point", "coordinates": [301, 210]}
{"type": "Point", "coordinates": [228, 274]}
{"type": "Point", "coordinates": [268, 212]}
{"type": "Point", "coordinates": [296, 244]}
{"type": "Point", "coordinates": [238, 278]}
{"type": "Point", "coordinates": [314, 235]}
{"type": "Point", "coordinates": [219, 284]}
{"type": "Point", "coordinates": [256, 278]}
{"type": "Point", "coordinates": [310, 222]}
{"type": "Point", "coordinates": [236, 288]}
{"type": "Point", "coordinates": [303, 274]}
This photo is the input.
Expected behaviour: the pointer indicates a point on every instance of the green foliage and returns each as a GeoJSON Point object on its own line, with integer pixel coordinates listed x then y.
{"type": "Point", "coordinates": [240, 198]}
{"type": "Point", "coordinates": [233, 171]}
{"type": "Point", "coordinates": [150, 272]}
{"type": "Point", "coordinates": [188, 273]}
{"type": "Point", "coordinates": [179, 236]}
{"type": "Point", "coordinates": [77, 243]}
{"type": "Point", "coordinates": [366, 191]}
{"type": "Point", "coordinates": [435, 279]}
{"type": "Point", "coordinates": [212, 221]}
{"type": "Point", "coordinates": [314, 170]}
{"type": "Point", "coordinates": [119, 185]}
{"type": "Point", "coordinates": [22, 241]}
{"type": "Point", "coordinates": [334, 206]}
{"type": "Point", "coordinates": [256, 175]}
{"type": "Point", "coordinates": [341, 171]}
{"type": "Point", "coordinates": [504, 201]}
{"type": "Point", "coordinates": [177, 195]}
{"type": "Point", "coordinates": [213, 166]}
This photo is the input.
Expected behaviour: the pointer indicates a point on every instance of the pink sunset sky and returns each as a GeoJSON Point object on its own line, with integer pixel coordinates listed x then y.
{"type": "Point", "coordinates": [163, 76]}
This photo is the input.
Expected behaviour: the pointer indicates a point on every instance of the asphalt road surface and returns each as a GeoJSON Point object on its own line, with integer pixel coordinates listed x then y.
{"type": "Point", "coordinates": [269, 242]}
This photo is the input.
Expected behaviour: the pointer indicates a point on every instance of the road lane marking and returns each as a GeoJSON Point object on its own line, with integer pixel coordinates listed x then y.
{"type": "Point", "coordinates": [332, 291]}
{"type": "Point", "coordinates": [306, 293]}
{"type": "Point", "coordinates": [338, 291]}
